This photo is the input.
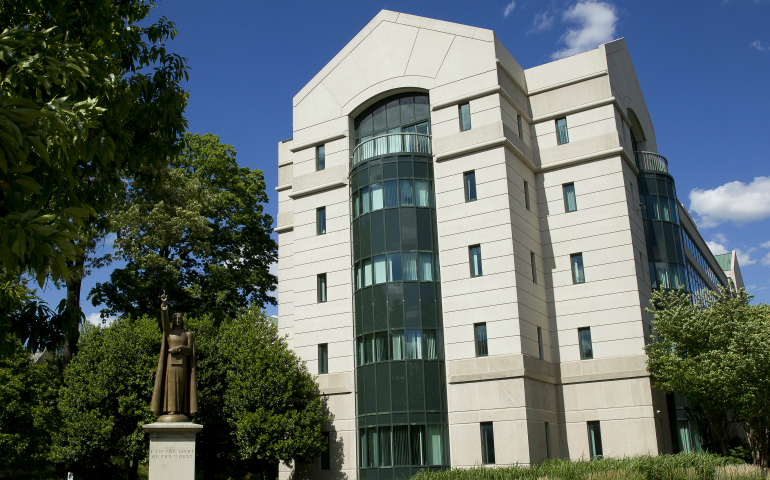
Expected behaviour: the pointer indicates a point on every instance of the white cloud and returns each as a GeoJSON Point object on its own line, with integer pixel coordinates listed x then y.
{"type": "Point", "coordinates": [720, 237]}
{"type": "Point", "coordinates": [735, 202]}
{"type": "Point", "coordinates": [273, 270]}
{"type": "Point", "coordinates": [762, 47]}
{"type": "Point", "coordinates": [542, 21]}
{"type": "Point", "coordinates": [596, 22]}
{"type": "Point", "coordinates": [766, 260]}
{"type": "Point", "coordinates": [95, 318]}
{"type": "Point", "coordinates": [717, 248]}
{"type": "Point", "coordinates": [765, 245]}
{"type": "Point", "coordinates": [744, 258]}
{"type": "Point", "coordinates": [509, 9]}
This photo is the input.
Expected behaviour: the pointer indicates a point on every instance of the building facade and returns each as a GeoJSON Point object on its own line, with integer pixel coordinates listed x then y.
{"type": "Point", "coordinates": [466, 249]}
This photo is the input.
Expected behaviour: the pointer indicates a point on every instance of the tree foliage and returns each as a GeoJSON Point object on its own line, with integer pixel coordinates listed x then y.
{"type": "Point", "coordinates": [716, 353]}
{"type": "Point", "coordinates": [200, 234]}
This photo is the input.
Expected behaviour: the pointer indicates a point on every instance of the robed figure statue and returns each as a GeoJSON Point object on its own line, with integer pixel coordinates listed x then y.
{"type": "Point", "coordinates": [175, 396]}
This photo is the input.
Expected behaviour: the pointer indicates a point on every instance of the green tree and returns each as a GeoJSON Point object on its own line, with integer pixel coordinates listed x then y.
{"type": "Point", "coordinates": [27, 417]}
{"type": "Point", "coordinates": [716, 352]}
{"type": "Point", "coordinates": [201, 235]}
{"type": "Point", "coordinates": [105, 400]}
{"type": "Point", "coordinates": [259, 405]}
{"type": "Point", "coordinates": [88, 97]}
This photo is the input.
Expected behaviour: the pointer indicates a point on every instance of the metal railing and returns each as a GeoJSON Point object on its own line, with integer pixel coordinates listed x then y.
{"type": "Point", "coordinates": [651, 161]}
{"type": "Point", "coordinates": [391, 143]}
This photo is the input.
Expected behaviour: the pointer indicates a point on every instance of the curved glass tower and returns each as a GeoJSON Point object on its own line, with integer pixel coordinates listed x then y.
{"type": "Point", "coordinates": [400, 375]}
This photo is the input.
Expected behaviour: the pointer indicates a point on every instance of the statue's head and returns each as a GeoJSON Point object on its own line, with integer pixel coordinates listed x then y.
{"type": "Point", "coordinates": [177, 321]}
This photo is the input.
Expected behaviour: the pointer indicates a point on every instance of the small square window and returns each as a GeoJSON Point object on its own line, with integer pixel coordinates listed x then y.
{"type": "Point", "coordinates": [323, 358]}
{"type": "Point", "coordinates": [322, 288]}
{"type": "Point", "coordinates": [521, 129]}
{"type": "Point", "coordinates": [469, 180]}
{"type": "Point", "coordinates": [576, 261]}
{"type": "Point", "coordinates": [487, 443]}
{"type": "Point", "coordinates": [325, 457]}
{"type": "Point", "coordinates": [526, 196]}
{"type": "Point", "coordinates": [474, 252]}
{"type": "Point", "coordinates": [595, 440]}
{"type": "Point", "coordinates": [480, 332]}
{"type": "Point", "coordinates": [533, 263]}
{"type": "Point", "coordinates": [540, 348]}
{"type": "Point", "coordinates": [320, 157]}
{"type": "Point", "coordinates": [320, 221]}
{"type": "Point", "coordinates": [570, 202]}
{"type": "Point", "coordinates": [465, 116]}
{"type": "Point", "coordinates": [586, 347]}
{"type": "Point", "coordinates": [561, 131]}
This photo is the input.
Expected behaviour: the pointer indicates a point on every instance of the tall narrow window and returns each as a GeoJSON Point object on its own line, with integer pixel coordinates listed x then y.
{"type": "Point", "coordinates": [322, 288]}
{"type": "Point", "coordinates": [584, 342]}
{"type": "Point", "coordinates": [576, 261]}
{"type": "Point", "coordinates": [465, 116]}
{"type": "Point", "coordinates": [570, 203]}
{"type": "Point", "coordinates": [521, 129]}
{"type": "Point", "coordinates": [323, 358]}
{"type": "Point", "coordinates": [320, 157]}
{"type": "Point", "coordinates": [526, 196]}
{"type": "Point", "coordinates": [540, 349]}
{"type": "Point", "coordinates": [480, 332]}
{"type": "Point", "coordinates": [534, 266]}
{"type": "Point", "coordinates": [320, 221]}
{"type": "Point", "coordinates": [474, 252]}
{"type": "Point", "coordinates": [547, 442]}
{"type": "Point", "coordinates": [325, 457]}
{"type": "Point", "coordinates": [561, 131]}
{"type": "Point", "coordinates": [487, 443]}
{"type": "Point", "coordinates": [595, 440]}
{"type": "Point", "coordinates": [469, 179]}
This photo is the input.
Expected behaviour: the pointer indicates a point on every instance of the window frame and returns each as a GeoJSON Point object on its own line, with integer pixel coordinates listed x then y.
{"type": "Point", "coordinates": [597, 431]}
{"type": "Point", "coordinates": [477, 327]}
{"type": "Point", "coordinates": [533, 262]}
{"type": "Point", "coordinates": [566, 131]}
{"type": "Point", "coordinates": [470, 261]}
{"type": "Point", "coordinates": [320, 157]}
{"type": "Point", "coordinates": [319, 222]}
{"type": "Point", "coordinates": [575, 280]}
{"type": "Point", "coordinates": [540, 345]}
{"type": "Point", "coordinates": [526, 196]}
{"type": "Point", "coordinates": [460, 116]}
{"type": "Point", "coordinates": [583, 355]}
{"type": "Point", "coordinates": [521, 129]}
{"type": "Point", "coordinates": [564, 194]}
{"type": "Point", "coordinates": [323, 358]}
{"type": "Point", "coordinates": [487, 431]}
{"type": "Point", "coordinates": [467, 188]}
{"type": "Point", "coordinates": [326, 454]}
{"type": "Point", "coordinates": [322, 289]}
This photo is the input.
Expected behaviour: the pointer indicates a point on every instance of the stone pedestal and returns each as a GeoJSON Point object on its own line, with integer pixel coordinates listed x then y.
{"type": "Point", "coordinates": [172, 450]}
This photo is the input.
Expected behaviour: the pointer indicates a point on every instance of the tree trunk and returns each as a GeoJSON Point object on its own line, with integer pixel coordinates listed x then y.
{"type": "Point", "coordinates": [74, 286]}
{"type": "Point", "coordinates": [133, 469]}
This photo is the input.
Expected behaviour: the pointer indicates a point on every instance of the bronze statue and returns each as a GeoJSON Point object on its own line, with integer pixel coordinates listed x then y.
{"type": "Point", "coordinates": [175, 395]}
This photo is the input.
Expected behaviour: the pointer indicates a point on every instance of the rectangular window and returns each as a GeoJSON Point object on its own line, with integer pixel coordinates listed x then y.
{"type": "Point", "coordinates": [474, 252]}
{"type": "Point", "coordinates": [595, 440]}
{"type": "Point", "coordinates": [480, 332]}
{"type": "Point", "coordinates": [561, 131]}
{"type": "Point", "coordinates": [570, 203]}
{"type": "Point", "coordinates": [584, 342]}
{"type": "Point", "coordinates": [469, 179]}
{"type": "Point", "coordinates": [320, 157]}
{"type": "Point", "coordinates": [534, 266]}
{"type": "Point", "coordinates": [487, 443]}
{"type": "Point", "coordinates": [320, 221]}
{"type": "Point", "coordinates": [465, 116]}
{"type": "Point", "coordinates": [325, 457]}
{"type": "Point", "coordinates": [521, 129]}
{"type": "Point", "coordinates": [576, 261]}
{"type": "Point", "coordinates": [526, 196]}
{"type": "Point", "coordinates": [322, 288]}
{"type": "Point", "coordinates": [540, 349]}
{"type": "Point", "coordinates": [547, 442]}
{"type": "Point", "coordinates": [323, 358]}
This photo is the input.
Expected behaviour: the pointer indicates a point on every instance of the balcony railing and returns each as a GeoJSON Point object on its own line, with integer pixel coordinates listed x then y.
{"type": "Point", "coordinates": [391, 143]}
{"type": "Point", "coordinates": [651, 161]}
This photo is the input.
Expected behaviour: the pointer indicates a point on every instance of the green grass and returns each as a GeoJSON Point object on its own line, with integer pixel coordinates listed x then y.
{"type": "Point", "coordinates": [692, 466]}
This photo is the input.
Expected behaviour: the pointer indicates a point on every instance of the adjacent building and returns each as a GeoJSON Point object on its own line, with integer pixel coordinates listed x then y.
{"type": "Point", "coordinates": [466, 250]}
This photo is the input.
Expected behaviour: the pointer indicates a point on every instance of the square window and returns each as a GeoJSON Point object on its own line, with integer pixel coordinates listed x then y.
{"type": "Point", "coordinates": [584, 342]}
{"type": "Point", "coordinates": [320, 157]}
{"type": "Point", "coordinates": [570, 203]}
{"type": "Point", "coordinates": [521, 129]}
{"type": "Point", "coordinates": [323, 358]}
{"type": "Point", "coordinates": [325, 457]}
{"type": "Point", "coordinates": [487, 443]}
{"type": "Point", "coordinates": [576, 261]}
{"type": "Point", "coordinates": [474, 252]}
{"type": "Point", "coordinates": [540, 349]}
{"type": "Point", "coordinates": [480, 333]}
{"type": "Point", "coordinates": [469, 180]}
{"type": "Point", "coordinates": [533, 263]}
{"type": "Point", "coordinates": [465, 116]}
{"type": "Point", "coordinates": [526, 196]}
{"type": "Point", "coordinates": [561, 131]}
{"type": "Point", "coordinates": [322, 288]}
{"type": "Point", "coordinates": [595, 440]}
{"type": "Point", "coordinates": [320, 221]}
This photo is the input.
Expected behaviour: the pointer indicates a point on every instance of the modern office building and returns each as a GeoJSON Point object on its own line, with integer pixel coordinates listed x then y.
{"type": "Point", "coordinates": [467, 249]}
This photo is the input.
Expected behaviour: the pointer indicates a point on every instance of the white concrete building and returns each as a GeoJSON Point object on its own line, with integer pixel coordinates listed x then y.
{"type": "Point", "coordinates": [466, 251]}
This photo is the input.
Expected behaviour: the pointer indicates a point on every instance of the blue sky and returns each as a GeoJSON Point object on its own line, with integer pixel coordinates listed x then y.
{"type": "Point", "coordinates": [704, 68]}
